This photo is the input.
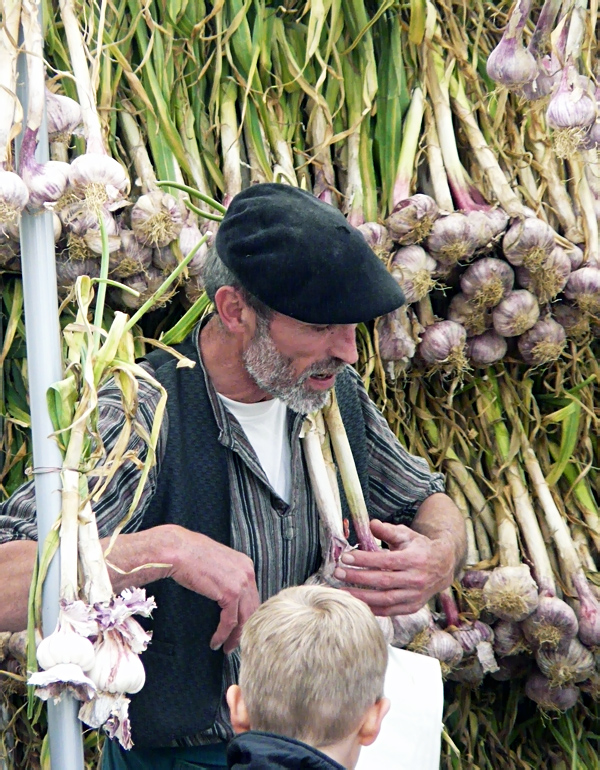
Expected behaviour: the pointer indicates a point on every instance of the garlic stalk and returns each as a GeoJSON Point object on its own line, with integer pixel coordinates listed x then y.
{"type": "Point", "coordinates": [9, 104]}
{"type": "Point", "coordinates": [408, 151]}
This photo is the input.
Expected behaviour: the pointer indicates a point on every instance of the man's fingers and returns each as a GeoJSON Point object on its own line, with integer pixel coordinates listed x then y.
{"type": "Point", "coordinates": [395, 535]}
{"type": "Point", "coordinates": [381, 579]}
{"type": "Point", "coordinates": [228, 625]}
{"type": "Point", "coordinates": [389, 603]}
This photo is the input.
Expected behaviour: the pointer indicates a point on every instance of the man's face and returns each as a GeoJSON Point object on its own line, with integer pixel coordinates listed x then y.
{"type": "Point", "coordinates": [298, 362]}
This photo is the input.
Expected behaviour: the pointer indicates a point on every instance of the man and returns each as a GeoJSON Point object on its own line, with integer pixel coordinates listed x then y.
{"type": "Point", "coordinates": [228, 517]}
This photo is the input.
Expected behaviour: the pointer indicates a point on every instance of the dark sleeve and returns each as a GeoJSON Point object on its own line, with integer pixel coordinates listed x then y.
{"type": "Point", "coordinates": [18, 514]}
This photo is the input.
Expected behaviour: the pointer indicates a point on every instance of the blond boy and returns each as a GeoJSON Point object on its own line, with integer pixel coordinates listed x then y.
{"type": "Point", "coordinates": [311, 682]}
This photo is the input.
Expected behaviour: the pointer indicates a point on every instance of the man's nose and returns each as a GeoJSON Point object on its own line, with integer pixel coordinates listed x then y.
{"type": "Point", "coordinates": [343, 344]}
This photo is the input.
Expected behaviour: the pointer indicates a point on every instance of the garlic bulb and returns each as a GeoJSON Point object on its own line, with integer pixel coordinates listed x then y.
{"type": "Point", "coordinates": [412, 267]}
{"type": "Point", "coordinates": [469, 672]}
{"type": "Point", "coordinates": [543, 343]}
{"type": "Point", "coordinates": [412, 219]}
{"type": "Point", "coordinates": [509, 639]}
{"type": "Point", "coordinates": [406, 627]}
{"type": "Point", "coordinates": [583, 287]}
{"type": "Point", "coordinates": [99, 179]}
{"type": "Point", "coordinates": [63, 115]}
{"type": "Point", "coordinates": [573, 665]}
{"type": "Point", "coordinates": [164, 259]}
{"type": "Point", "coordinates": [487, 281]}
{"type": "Point", "coordinates": [476, 320]}
{"type": "Point", "coordinates": [438, 644]}
{"type": "Point", "coordinates": [132, 257]}
{"type": "Point", "coordinates": [574, 321]}
{"type": "Point", "coordinates": [510, 63]}
{"type": "Point", "coordinates": [552, 624]}
{"type": "Point", "coordinates": [188, 238]}
{"type": "Point", "coordinates": [487, 226]}
{"type": "Point", "coordinates": [547, 78]}
{"type": "Point", "coordinates": [378, 238]}
{"type": "Point", "coordinates": [193, 288]}
{"type": "Point", "coordinates": [517, 313]}
{"type": "Point", "coordinates": [570, 111]}
{"type": "Point", "coordinates": [46, 182]}
{"type": "Point", "coordinates": [395, 340]}
{"type": "Point", "coordinates": [511, 593]}
{"type": "Point", "coordinates": [68, 270]}
{"type": "Point", "coordinates": [550, 279]}
{"type": "Point", "coordinates": [443, 344]}
{"type": "Point", "coordinates": [487, 348]}
{"type": "Point", "coordinates": [511, 668]}
{"type": "Point", "coordinates": [451, 239]}
{"type": "Point", "coordinates": [550, 698]}
{"type": "Point", "coordinates": [65, 646]}
{"type": "Point", "coordinates": [575, 255]}
{"type": "Point", "coordinates": [116, 668]}
{"type": "Point", "coordinates": [529, 243]}
{"type": "Point", "coordinates": [13, 198]}
{"type": "Point", "coordinates": [156, 219]}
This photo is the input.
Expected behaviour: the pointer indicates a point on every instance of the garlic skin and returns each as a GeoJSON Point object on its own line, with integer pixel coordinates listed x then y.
{"type": "Point", "coordinates": [517, 313]}
{"type": "Point", "coordinates": [394, 338]}
{"type": "Point", "coordinates": [510, 63]}
{"type": "Point", "coordinates": [583, 287]}
{"type": "Point", "coordinates": [63, 116]}
{"type": "Point", "coordinates": [412, 267]}
{"type": "Point", "coordinates": [164, 259]}
{"type": "Point", "coordinates": [62, 678]}
{"type": "Point", "coordinates": [511, 593]}
{"type": "Point", "coordinates": [412, 219]}
{"type": "Point", "coordinates": [438, 644]}
{"type": "Point", "coordinates": [111, 712]}
{"type": "Point", "coordinates": [13, 198]}
{"type": "Point", "coordinates": [543, 343]}
{"type": "Point", "coordinates": [575, 255]}
{"type": "Point", "coordinates": [189, 237]}
{"type": "Point", "coordinates": [451, 239]}
{"type": "Point", "coordinates": [156, 219]}
{"type": "Point", "coordinates": [487, 281]}
{"type": "Point", "coordinates": [550, 698]}
{"type": "Point", "coordinates": [487, 348]}
{"type": "Point", "coordinates": [476, 320]}
{"type": "Point", "coordinates": [65, 646]}
{"type": "Point", "coordinates": [509, 639]}
{"type": "Point", "coordinates": [573, 105]}
{"type": "Point", "coordinates": [529, 243]}
{"type": "Point", "coordinates": [487, 226]}
{"type": "Point", "coordinates": [566, 667]}
{"type": "Point", "coordinates": [547, 78]}
{"type": "Point", "coordinates": [444, 343]}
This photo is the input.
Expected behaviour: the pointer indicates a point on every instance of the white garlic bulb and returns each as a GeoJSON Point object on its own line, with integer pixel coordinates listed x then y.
{"type": "Point", "coordinates": [517, 313]}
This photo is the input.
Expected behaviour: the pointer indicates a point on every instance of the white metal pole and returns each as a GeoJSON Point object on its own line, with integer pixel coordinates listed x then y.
{"type": "Point", "coordinates": [44, 364]}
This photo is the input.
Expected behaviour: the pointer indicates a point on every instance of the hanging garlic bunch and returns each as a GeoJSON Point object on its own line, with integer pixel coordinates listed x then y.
{"type": "Point", "coordinates": [412, 267]}
{"type": "Point", "coordinates": [487, 348]}
{"type": "Point", "coordinates": [487, 281]}
{"type": "Point", "coordinates": [529, 243]}
{"type": "Point", "coordinates": [583, 288]}
{"type": "Point", "coordinates": [476, 320]}
{"type": "Point", "coordinates": [451, 239]}
{"type": "Point", "coordinates": [516, 313]}
{"type": "Point", "coordinates": [156, 219]}
{"type": "Point", "coordinates": [443, 346]}
{"type": "Point", "coordinates": [412, 219]}
{"type": "Point", "coordinates": [543, 343]}
{"type": "Point", "coordinates": [550, 279]}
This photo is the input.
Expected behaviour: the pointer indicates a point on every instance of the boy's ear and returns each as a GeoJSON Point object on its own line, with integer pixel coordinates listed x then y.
{"type": "Point", "coordinates": [237, 708]}
{"type": "Point", "coordinates": [371, 724]}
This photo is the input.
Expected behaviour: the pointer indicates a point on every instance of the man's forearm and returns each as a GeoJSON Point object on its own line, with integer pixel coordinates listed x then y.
{"type": "Point", "coordinates": [438, 518]}
{"type": "Point", "coordinates": [17, 559]}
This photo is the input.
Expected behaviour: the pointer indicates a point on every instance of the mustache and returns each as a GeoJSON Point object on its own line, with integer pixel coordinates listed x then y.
{"type": "Point", "coordinates": [327, 367]}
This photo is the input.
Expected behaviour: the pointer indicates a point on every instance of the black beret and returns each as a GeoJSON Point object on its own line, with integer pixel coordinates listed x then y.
{"type": "Point", "coordinates": [302, 258]}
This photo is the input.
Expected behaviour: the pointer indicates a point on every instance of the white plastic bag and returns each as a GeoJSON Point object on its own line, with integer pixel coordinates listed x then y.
{"type": "Point", "coordinates": [411, 733]}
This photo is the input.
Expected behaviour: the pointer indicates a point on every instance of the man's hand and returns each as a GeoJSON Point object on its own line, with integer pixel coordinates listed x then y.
{"type": "Point", "coordinates": [220, 573]}
{"type": "Point", "coordinates": [417, 566]}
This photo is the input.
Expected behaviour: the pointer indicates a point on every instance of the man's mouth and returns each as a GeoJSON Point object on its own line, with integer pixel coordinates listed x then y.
{"type": "Point", "coordinates": [323, 380]}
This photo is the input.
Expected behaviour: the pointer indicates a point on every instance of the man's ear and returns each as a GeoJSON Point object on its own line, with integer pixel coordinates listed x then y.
{"type": "Point", "coordinates": [234, 313]}
{"type": "Point", "coordinates": [371, 724]}
{"type": "Point", "coordinates": [237, 708]}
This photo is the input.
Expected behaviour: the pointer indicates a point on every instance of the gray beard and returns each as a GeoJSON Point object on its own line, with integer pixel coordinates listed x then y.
{"type": "Point", "coordinates": [274, 373]}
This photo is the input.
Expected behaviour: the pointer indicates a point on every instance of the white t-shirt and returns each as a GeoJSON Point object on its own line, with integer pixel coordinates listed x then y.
{"type": "Point", "coordinates": [265, 425]}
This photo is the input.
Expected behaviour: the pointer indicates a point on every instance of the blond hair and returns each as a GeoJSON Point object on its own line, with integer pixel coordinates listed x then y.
{"type": "Point", "coordinates": [313, 661]}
